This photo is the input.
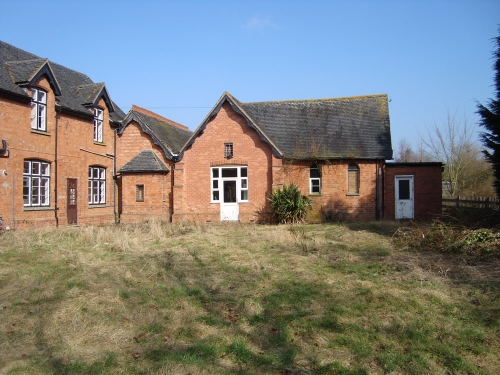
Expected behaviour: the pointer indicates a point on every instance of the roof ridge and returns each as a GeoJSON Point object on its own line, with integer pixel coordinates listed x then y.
{"type": "Point", "coordinates": [318, 100]}
{"type": "Point", "coordinates": [147, 112]}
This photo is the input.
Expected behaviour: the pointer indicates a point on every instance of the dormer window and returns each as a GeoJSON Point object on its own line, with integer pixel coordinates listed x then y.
{"type": "Point", "coordinates": [228, 150]}
{"type": "Point", "coordinates": [98, 119]}
{"type": "Point", "coordinates": [38, 109]}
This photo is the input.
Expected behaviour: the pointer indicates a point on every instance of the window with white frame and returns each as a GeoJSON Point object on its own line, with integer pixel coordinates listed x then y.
{"type": "Point", "coordinates": [98, 120]}
{"type": "Point", "coordinates": [97, 185]}
{"type": "Point", "coordinates": [232, 173]}
{"type": "Point", "coordinates": [314, 179]}
{"type": "Point", "coordinates": [36, 183]}
{"type": "Point", "coordinates": [353, 179]}
{"type": "Point", "coordinates": [38, 109]}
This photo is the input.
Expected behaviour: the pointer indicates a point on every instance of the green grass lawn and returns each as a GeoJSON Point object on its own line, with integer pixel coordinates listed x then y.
{"type": "Point", "coordinates": [250, 299]}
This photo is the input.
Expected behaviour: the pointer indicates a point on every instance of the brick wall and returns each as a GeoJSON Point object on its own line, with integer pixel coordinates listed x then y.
{"type": "Point", "coordinates": [74, 134]}
{"type": "Point", "coordinates": [192, 176]}
{"type": "Point", "coordinates": [334, 202]}
{"type": "Point", "coordinates": [265, 173]}
{"type": "Point", "coordinates": [427, 188]}
{"type": "Point", "coordinates": [158, 198]}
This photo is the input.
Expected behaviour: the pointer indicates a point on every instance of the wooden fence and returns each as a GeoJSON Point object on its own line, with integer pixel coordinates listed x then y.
{"type": "Point", "coordinates": [472, 202]}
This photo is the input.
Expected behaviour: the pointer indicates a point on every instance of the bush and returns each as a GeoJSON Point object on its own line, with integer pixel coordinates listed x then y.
{"type": "Point", "coordinates": [289, 205]}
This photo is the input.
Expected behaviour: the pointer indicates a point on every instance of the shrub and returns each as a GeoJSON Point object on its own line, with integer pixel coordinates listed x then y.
{"type": "Point", "coordinates": [289, 205]}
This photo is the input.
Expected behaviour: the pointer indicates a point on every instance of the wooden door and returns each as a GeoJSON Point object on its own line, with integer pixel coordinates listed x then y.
{"type": "Point", "coordinates": [72, 206]}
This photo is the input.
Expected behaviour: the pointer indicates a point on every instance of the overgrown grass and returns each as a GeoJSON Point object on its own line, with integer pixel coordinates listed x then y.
{"type": "Point", "coordinates": [221, 299]}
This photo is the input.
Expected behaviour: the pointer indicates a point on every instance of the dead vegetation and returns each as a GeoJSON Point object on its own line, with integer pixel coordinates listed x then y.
{"type": "Point", "coordinates": [156, 298]}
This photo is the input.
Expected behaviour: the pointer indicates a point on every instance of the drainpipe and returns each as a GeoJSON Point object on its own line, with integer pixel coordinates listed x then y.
{"type": "Point", "coordinates": [377, 200]}
{"type": "Point", "coordinates": [55, 172]}
{"type": "Point", "coordinates": [114, 177]}
{"type": "Point", "coordinates": [13, 210]}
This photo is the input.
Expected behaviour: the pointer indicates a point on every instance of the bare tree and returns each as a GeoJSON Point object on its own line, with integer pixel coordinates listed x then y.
{"type": "Point", "coordinates": [453, 144]}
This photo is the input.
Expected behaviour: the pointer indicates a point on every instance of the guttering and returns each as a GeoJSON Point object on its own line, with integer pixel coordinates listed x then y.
{"type": "Point", "coordinates": [56, 207]}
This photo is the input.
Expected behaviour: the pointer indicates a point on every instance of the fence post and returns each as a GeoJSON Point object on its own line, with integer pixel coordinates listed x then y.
{"type": "Point", "coordinates": [458, 201]}
{"type": "Point", "coordinates": [487, 203]}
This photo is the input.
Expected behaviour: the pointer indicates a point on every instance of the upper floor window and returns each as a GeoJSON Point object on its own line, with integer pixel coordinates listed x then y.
{"type": "Point", "coordinates": [36, 183]}
{"type": "Point", "coordinates": [228, 150]}
{"type": "Point", "coordinates": [38, 109]}
{"type": "Point", "coordinates": [314, 179]}
{"type": "Point", "coordinates": [98, 119]}
{"type": "Point", "coordinates": [353, 179]}
{"type": "Point", "coordinates": [97, 185]}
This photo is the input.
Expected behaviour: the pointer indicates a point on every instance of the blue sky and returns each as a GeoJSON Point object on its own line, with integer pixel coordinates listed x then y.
{"type": "Point", "coordinates": [177, 57]}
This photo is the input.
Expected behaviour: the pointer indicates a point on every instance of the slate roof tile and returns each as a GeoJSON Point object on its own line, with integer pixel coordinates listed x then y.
{"type": "Point", "coordinates": [145, 161]}
{"type": "Point", "coordinates": [17, 65]}
{"type": "Point", "coordinates": [167, 134]}
{"type": "Point", "coordinates": [354, 127]}
{"type": "Point", "coordinates": [340, 128]}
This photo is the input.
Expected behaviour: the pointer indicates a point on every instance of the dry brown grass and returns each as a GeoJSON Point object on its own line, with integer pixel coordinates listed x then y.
{"type": "Point", "coordinates": [160, 298]}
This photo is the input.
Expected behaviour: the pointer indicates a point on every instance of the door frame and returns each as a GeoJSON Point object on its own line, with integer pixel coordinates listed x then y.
{"type": "Point", "coordinates": [231, 207]}
{"type": "Point", "coordinates": [404, 208]}
{"type": "Point", "coordinates": [72, 201]}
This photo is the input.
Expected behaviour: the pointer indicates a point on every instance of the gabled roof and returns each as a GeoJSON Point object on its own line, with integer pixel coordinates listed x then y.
{"type": "Point", "coordinates": [19, 68]}
{"type": "Point", "coordinates": [145, 161]}
{"type": "Point", "coordinates": [354, 127]}
{"type": "Point", "coordinates": [238, 108]}
{"type": "Point", "coordinates": [169, 135]}
{"type": "Point", "coordinates": [90, 94]}
{"type": "Point", "coordinates": [28, 71]}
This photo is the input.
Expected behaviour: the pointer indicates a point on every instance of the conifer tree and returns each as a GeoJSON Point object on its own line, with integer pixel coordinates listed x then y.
{"type": "Point", "coordinates": [490, 120]}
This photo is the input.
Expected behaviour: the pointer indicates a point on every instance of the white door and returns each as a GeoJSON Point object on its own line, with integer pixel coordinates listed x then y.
{"type": "Point", "coordinates": [404, 197]}
{"type": "Point", "coordinates": [229, 210]}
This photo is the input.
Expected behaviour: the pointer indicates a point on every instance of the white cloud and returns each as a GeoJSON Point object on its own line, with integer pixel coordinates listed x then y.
{"type": "Point", "coordinates": [259, 23]}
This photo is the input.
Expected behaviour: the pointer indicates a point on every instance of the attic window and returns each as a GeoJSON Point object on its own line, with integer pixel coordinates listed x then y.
{"type": "Point", "coordinates": [228, 150]}
{"type": "Point", "coordinates": [98, 120]}
{"type": "Point", "coordinates": [38, 109]}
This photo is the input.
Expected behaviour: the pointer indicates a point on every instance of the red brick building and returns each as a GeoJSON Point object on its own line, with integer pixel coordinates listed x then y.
{"type": "Point", "coordinates": [333, 149]}
{"type": "Point", "coordinates": [57, 127]}
{"type": "Point", "coordinates": [69, 155]}
{"type": "Point", "coordinates": [411, 190]}
{"type": "Point", "coordinates": [147, 147]}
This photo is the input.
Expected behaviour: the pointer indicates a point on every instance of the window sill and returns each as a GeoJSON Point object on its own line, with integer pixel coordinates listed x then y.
{"type": "Point", "coordinates": [315, 194]}
{"type": "Point", "coordinates": [99, 205]}
{"type": "Point", "coordinates": [41, 132]}
{"type": "Point", "coordinates": [99, 143]}
{"type": "Point", "coordinates": [38, 208]}
{"type": "Point", "coordinates": [352, 195]}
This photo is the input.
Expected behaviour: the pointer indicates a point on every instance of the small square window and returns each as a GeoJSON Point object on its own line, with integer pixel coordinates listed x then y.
{"type": "Point", "coordinates": [228, 150]}
{"type": "Point", "coordinates": [139, 193]}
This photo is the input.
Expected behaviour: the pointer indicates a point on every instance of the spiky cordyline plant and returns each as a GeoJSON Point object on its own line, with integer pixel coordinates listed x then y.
{"type": "Point", "coordinates": [288, 205]}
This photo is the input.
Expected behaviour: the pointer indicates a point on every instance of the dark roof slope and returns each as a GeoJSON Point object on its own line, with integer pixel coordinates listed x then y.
{"type": "Point", "coordinates": [18, 67]}
{"type": "Point", "coordinates": [167, 134]}
{"type": "Point", "coordinates": [145, 161]}
{"type": "Point", "coordinates": [354, 127]}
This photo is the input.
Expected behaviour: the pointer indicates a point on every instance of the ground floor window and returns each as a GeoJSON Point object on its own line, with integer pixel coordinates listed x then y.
{"type": "Point", "coordinates": [353, 179]}
{"type": "Point", "coordinates": [36, 183]}
{"type": "Point", "coordinates": [97, 185]}
{"type": "Point", "coordinates": [229, 184]}
{"type": "Point", "coordinates": [139, 193]}
{"type": "Point", "coordinates": [314, 179]}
